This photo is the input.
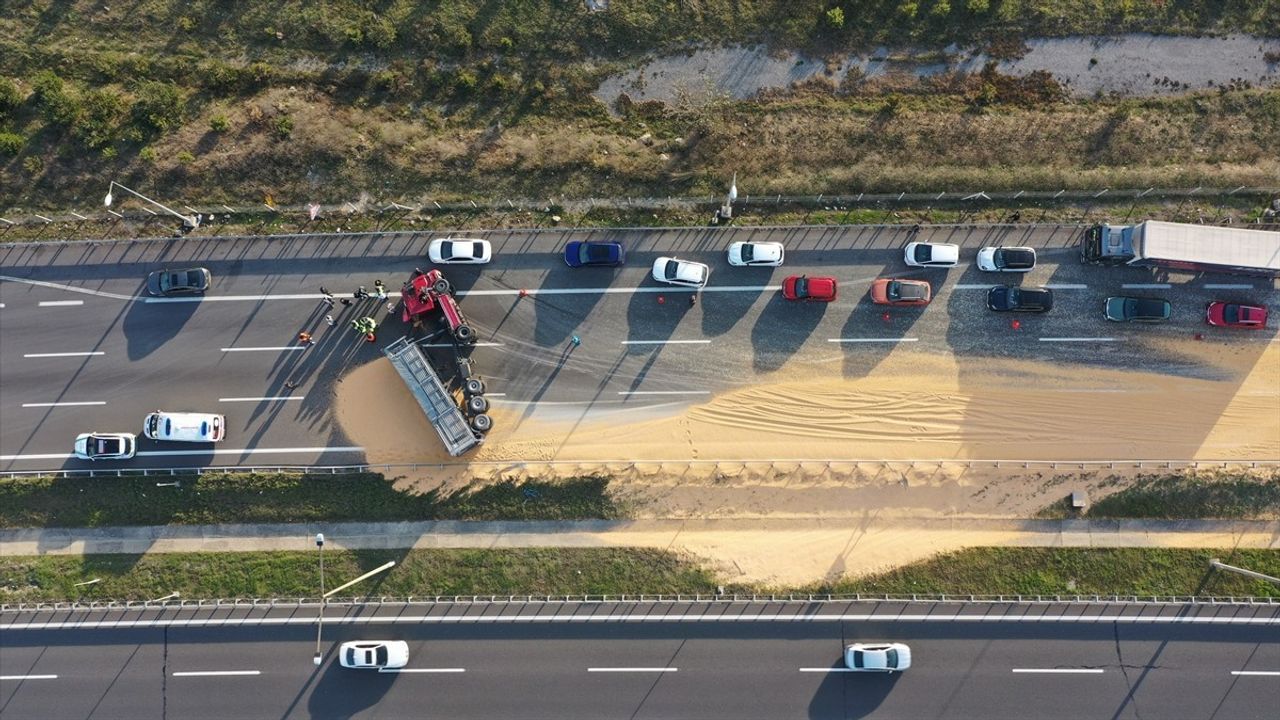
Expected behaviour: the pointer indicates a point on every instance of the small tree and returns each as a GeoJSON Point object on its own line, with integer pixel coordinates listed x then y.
{"type": "Point", "coordinates": [10, 96]}
{"type": "Point", "coordinates": [158, 107]}
{"type": "Point", "coordinates": [835, 18]}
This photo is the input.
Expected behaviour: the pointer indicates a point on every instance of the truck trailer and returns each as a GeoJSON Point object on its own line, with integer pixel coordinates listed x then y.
{"type": "Point", "coordinates": [1179, 246]}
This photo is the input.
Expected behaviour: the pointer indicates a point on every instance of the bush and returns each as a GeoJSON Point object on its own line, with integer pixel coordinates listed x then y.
{"type": "Point", "coordinates": [32, 164]}
{"type": "Point", "coordinates": [55, 103]}
{"type": "Point", "coordinates": [219, 123]}
{"type": "Point", "coordinates": [282, 126]}
{"type": "Point", "coordinates": [185, 157]}
{"type": "Point", "coordinates": [835, 18]}
{"type": "Point", "coordinates": [158, 107]}
{"type": "Point", "coordinates": [10, 96]}
{"type": "Point", "coordinates": [977, 7]}
{"type": "Point", "coordinates": [11, 143]}
{"type": "Point", "coordinates": [99, 123]}
{"type": "Point", "coordinates": [464, 81]}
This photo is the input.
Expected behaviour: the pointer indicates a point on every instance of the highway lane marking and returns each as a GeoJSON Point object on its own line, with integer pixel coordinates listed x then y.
{"type": "Point", "coordinates": [971, 286]}
{"type": "Point", "coordinates": [230, 298]}
{"type": "Point", "coordinates": [1228, 286]}
{"type": "Point", "coordinates": [60, 303]}
{"type": "Point", "coordinates": [1066, 286]}
{"type": "Point", "coordinates": [285, 348]}
{"type": "Point", "coordinates": [466, 293]}
{"type": "Point", "coordinates": [632, 669]}
{"type": "Point", "coordinates": [1146, 286]}
{"type": "Point", "coordinates": [65, 404]}
{"type": "Point", "coordinates": [638, 618]}
{"type": "Point", "coordinates": [262, 399]}
{"type": "Point", "coordinates": [1078, 339]}
{"type": "Point", "coordinates": [28, 677]}
{"type": "Point", "coordinates": [216, 673]}
{"type": "Point", "coordinates": [871, 340]}
{"type": "Point", "coordinates": [449, 345]}
{"type": "Point", "coordinates": [1257, 673]}
{"type": "Point", "coordinates": [64, 354]}
{"type": "Point", "coordinates": [422, 670]}
{"type": "Point", "coordinates": [175, 453]}
{"type": "Point", "coordinates": [666, 342]}
{"type": "Point", "coordinates": [828, 670]}
{"type": "Point", "coordinates": [664, 392]}
{"type": "Point", "coordinates": [1061, 671]}
{"type": "Point", "coordinates": [69, 288]}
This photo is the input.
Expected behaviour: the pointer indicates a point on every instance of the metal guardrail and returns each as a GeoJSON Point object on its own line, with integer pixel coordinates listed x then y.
{"type": "Point", "coordinates": [826, 201]}
{"type": "Point", "coordinates": [598, 466]}
{"type": "Point", "coordinates": [719, 599]}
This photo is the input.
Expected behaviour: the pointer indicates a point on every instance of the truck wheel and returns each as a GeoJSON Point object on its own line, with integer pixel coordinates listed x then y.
{"type": "Point", "coordinates": [465, 334]}
{"type": "Point", "coordinates": [440, 287]}
{"type": "Point", "coordinates": [477, 404]}
{"type": "Point", "coordinates": [482, 423]}
{"type": "Point", "coordinates": [475, 386]}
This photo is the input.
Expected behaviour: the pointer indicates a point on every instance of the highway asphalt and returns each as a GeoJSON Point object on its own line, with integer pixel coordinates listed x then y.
{"type": "Point", "coordinates": [770, 661]}
{"type": "Point", "coordinates": [83, 350]}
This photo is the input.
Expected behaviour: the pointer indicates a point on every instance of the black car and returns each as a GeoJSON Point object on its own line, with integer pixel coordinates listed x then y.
{"type": "Point", "coordinates": [584, 254]}
{"type": "Point", "coordinates": [1134, 309]}
{"type": "Point", "coordinates": [1009, 298]}
{"type": "Point", "coordinates": [179, 282]}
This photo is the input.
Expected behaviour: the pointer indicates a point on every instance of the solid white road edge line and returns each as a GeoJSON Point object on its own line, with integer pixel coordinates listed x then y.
{"type": "Point", "coordinates": [220, 451]}
{"type": "Point", "coordinates": [421, 670]}
{"type": "Point", "coordinates": [1061, 671]}
{"type": "Point", "coordinates": [871, 340]}
{"type": "Point", "coordinates": [666, 342]}
{"type": "Point", "coordinates": [463, 293]}
{"type": "Point", "coordinates": [632, 618]}
{"type": "Point", "coordinates": [265, 349]}
{"type": "Point", "coordinates": [262, 399]}
{"type": "Point", "coordinates": [68, 288]}
{"type": "Point", "coordinates": [28, 677]}
{"type": "Point", "coordinates": [449, 345]}
{"type": "Point", "coordinates": [60, 303]}
{"type": "Point", "coordinates": [828, 670]}
{"type": "Point", "coordinates": [64, 404]}
{"type": "Point", "coordinates": [1257, 673]}
{"type": "Point", "coordinates": [216, 673]}
{"type": "Point", "coordinates": [65, 354]}
{"type": "Point", "coordinates": [631, 669]}
{"type": "Point", "coordinates": [664, 392]}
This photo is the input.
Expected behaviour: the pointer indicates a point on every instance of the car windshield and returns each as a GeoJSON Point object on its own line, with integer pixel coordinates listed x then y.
{"type": "Point", "coordinates": [593, 253]}
{"type": "Point", "coordinates": [108, 446]}
{"type": "Point", "coordinates": [1231, 313]}
{"type": "Point", "coordinates": [891, 658]}
{"type": "Point", "coordinates": [669, 272]}
{"type": "Point", "coordinates": [380, 655]}
{"type": "Point", "coordinates": [922, 253]}
{"type": "Point", "coordinates": [802, 288]}
{"type": "Point", "coordinates": [1015, 295]}
{"type": "Point", "coordinates": [446, 250]}
{"type": "Point", "coordinates": [168, 281]}
{"type": "Point", "coordinates": [477, 249]}
{"type": "Point", "coordinates": [894, 291]}
{"type": "Point", "coordinates": [351, 656]}
{"type": "Point", "coordinates": [858, 660]}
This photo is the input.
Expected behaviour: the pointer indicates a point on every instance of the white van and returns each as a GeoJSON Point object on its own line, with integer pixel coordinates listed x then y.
{"type": "Point", "coordinates": [184, 426]}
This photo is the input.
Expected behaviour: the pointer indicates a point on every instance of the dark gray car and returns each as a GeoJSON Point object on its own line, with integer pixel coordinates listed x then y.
{"type": "Point", "coordinates": [1135, 309]}
{"type": "Point", "coordinates": [179, 282]}
{"type": "Point", "coordinates": [1009, 298]}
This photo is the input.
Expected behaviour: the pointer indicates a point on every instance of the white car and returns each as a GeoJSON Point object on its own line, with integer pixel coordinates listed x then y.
{"type": "Point", "coordinates": [374, 654]}
{"type": "Point", "coordinates": [106, 446]}
{"type": "Point", "coordinates": [460, 250]}
{"type": "Point", "coordinates": [756, 254]}
{"type": "Point", "coordinates": [1006, 259]}
{"type": "Point", "coordinates": [877, 657]}
{"type": "Point", "coordinates": [923, 254]}
{"type": "Point", "coordinates": [675, 271]}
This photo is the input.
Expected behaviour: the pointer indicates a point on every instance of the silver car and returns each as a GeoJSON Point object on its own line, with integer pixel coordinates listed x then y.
{"type": "Point", "coordinates": [374, 654]}
{"type": "Point", "coordinates": [675, 271]}
{"type": "Point", "coordinates": [877, 657]}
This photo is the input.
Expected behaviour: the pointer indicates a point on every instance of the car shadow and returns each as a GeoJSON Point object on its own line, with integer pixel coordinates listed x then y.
{"type": "Point", "coordinates": [851, 695]}
{"type": "Point", "coordinates": [148, 326]}
{"type": "Point", "coordinates": [781, 329]}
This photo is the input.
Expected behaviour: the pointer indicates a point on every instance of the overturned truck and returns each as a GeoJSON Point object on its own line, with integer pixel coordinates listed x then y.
{"type": "Point", "coordinates": [461, 426]}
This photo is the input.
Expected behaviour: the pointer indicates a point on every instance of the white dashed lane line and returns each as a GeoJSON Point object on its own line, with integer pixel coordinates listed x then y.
{"type": "Point", "coordinates": [871, 340]}
{"type": "Point", "coordinates": [64, 404]}
{"type": "Point", "coordinates": [1228, 286]}
{"type": "Point", "coordinates": [666, 342]}
{"type": "Point", "coordinates": [64, 354]}
{"type": "Point", "coordinates": [1256, 673]}
{"type": "Point", "coordinates": [632, 669]}
{"type": "Point", "coordinates": [1079, 339]}
{"type": "Point", "coordinates": [664, 392]}
{"type": "Point", "coordinates": [216, 673]}
{"type": "Point", "coordinates": [421, 670]}
{"type": "Point", "coordinates": [1061, 671]}
{"type": "Point", "coordinates": [262, 399]}
{"type": "Point", "coordinates": [1146, 286]}
{"type": "Point", "coordinates": [449, 345]}
{"type": "Point", "coordinates": [286, 348]}
{"type": "Point", "coordinates": [28, 677]}
{"type": "Point", "coordinates": [828, 670]}
{"type": "Point", "coordinates": [60, 303]}
{"type": "Point", "coordinates": [1066, 286]}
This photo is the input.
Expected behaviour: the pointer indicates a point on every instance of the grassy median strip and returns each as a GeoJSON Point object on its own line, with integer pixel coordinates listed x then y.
{"type": "Point", "coordinates": [1183, 495]}
{"type": "Point", "coordinates": [616, 571]}
{"type": "Point", "coordinates": [287, 498]}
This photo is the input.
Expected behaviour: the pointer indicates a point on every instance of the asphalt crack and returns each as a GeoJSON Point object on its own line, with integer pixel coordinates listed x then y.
{"type": "Point", "coordinates": [1128, 682]}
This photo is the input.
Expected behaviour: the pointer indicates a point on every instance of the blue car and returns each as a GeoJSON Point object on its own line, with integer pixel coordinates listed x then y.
{"type": "Point", "coordinates": [586, 254]}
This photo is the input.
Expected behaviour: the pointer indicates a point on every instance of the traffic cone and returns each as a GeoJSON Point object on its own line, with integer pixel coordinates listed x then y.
{"type": "Point", "coordinates": [661, 300]}
{"type": "Point", "coordinates": [1016, 324]}
{"type": "Point", "coordinates": [370, 338]}
{"type": "Point", "coordinates": [524, 293]}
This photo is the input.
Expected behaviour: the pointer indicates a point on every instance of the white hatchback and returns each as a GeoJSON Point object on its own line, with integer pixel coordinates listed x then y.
{"type": "Point", "coordinates": [460, 250]}
{"type": "Point", "coordinates": [374, 654]}
{"type": "Point", "coordinates": [923, 254]}
{"type": "Point", "coordinates": [877, 657]}
{"type": "Point", "coordinates": [756, 254]}
{"type": "Point", "coordinates": [106, 446]}
{"type": "Point", "coordinates": [675, 271]}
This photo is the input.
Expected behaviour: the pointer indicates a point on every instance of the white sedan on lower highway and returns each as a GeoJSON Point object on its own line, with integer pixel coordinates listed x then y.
{"type": "Point", "coordinates": [756, 254]}
{"type": "Point", "coordinates": [675, 271]}
{"type": "Point", "coordinates": [374, 654]}
{"type": "Point", "coordinates": [877, 657]}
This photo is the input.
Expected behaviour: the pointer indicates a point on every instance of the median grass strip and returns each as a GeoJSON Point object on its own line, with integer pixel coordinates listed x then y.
{"type": "Point", "coordinates": [287, 498]}
{"type": "Point", "coordinates": [1194, 496]}
{"type": "Point", "coordinates": [616, 571]}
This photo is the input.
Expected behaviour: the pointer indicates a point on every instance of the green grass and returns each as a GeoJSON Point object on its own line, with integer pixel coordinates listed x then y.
{"type": "Point", "coordinates": [1072, 571]}
{"type": "Point", "coordinates": [613, 571]}
{"type": "Point", "coordinates": [287, 498]}
{"type": "Point", "coordinates": [296, 574]}
{"type": "Point", "coordinates": [1191, 496]}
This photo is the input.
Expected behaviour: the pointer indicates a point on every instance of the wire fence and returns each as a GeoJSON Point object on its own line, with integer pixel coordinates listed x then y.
{"type": "Point", "coordinates": [1267, 198]}
{"type": "Point", "coordinates": [717, 599]}
{"type": "Point", "coordinates": [671, 467]}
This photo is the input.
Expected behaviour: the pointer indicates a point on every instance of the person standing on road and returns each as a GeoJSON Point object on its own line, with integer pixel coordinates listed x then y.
{"type": "Point", "coordinates": [329, 319]}
{"type": "Point", "coordinates": [361, 293]}
{"type": "Point", "coordinates": [380, 289]}
{"type": "Point", "coordinates": [304, 337]}
{"type": "Point", "coordinates": [325, 291]}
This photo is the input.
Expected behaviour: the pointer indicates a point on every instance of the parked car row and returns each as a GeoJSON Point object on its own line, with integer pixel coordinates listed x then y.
{"type": "Point", "coordinates": [159, 425]}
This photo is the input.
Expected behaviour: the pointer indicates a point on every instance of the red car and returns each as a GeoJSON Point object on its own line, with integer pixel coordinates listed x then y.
{"type": "Point", "coordinates": [807, 289]}
{"type": "Point", "coordinates": [1225, 314]}
{"type": "Point", "coordinates": [887, 291]}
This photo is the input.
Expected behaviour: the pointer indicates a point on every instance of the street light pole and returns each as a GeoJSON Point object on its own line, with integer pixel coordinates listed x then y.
{"type": "Point", "coordinates": [189, 222]}
{"type": "Point", "coordinates": [320, 622]}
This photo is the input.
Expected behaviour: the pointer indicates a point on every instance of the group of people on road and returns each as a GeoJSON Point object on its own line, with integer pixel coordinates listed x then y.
{"type": "Point", "coordinates": [365, 325]}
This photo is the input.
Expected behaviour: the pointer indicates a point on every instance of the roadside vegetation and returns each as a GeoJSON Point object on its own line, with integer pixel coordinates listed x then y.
{"type": "Point", "coordinates": [297, 102]}
{"type": "Point", "coordinates": [1187, 495]}
{"type": "Point", "coordinates": [288, 498]}
{"type": "Point", "coordinates": [616, 571]}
